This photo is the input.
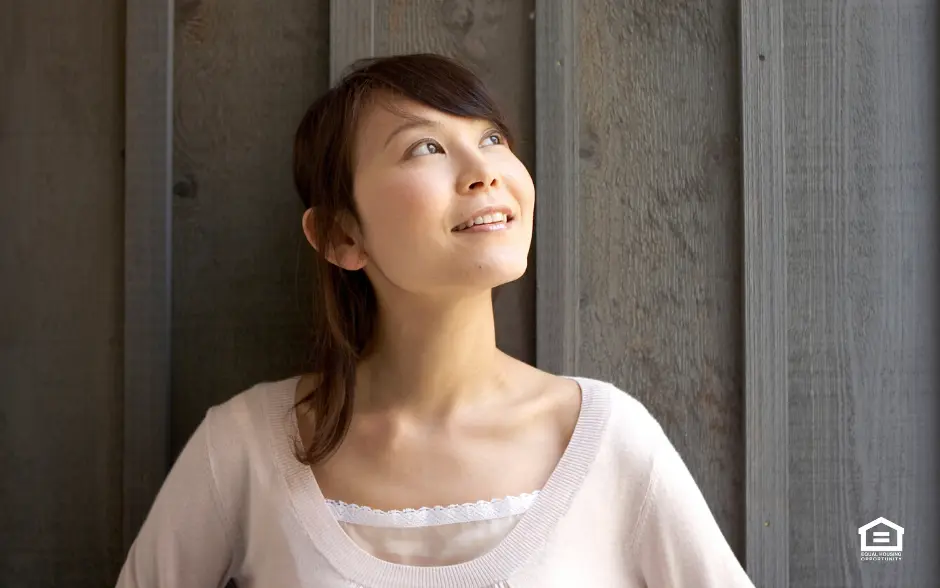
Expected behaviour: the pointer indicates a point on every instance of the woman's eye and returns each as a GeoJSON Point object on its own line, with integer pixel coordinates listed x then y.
{"type": "Point", "coordinates": [493, 139]}
{"type": "Point", "coordinates": [427, 148]}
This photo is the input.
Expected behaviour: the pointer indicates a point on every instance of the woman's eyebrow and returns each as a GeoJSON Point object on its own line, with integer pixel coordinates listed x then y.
{"type": "Point", "coordinates": [412, 123]}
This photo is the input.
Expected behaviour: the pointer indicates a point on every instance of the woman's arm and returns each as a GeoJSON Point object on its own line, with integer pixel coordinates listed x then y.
{"type": "Point", "coordinates": [678, 542]}
{"type": "Point", "coordinates": [186, 540]}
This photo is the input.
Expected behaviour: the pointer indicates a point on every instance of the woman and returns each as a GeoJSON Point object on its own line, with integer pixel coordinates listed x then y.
{"type": "Point", "coordinates": [415, 453]}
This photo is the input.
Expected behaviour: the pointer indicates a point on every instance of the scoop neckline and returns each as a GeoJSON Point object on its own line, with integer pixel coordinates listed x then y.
{"type": "Point", "coordinates": [525, 539]}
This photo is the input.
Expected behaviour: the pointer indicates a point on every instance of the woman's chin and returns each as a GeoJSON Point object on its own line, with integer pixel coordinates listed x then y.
{"type": "Point", "coordinates": [490, 274]}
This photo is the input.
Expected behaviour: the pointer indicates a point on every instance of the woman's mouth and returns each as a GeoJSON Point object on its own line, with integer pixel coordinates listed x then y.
{"type": "Point", "coordinates": [495, 221]}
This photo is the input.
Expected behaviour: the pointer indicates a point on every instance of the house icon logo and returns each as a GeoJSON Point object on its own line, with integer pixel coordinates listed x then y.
{"type": "Point", "coordinates": [881, 540]}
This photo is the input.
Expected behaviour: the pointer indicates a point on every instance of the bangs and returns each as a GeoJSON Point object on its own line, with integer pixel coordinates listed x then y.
{"type": "Point", "coordinates": [432, 80]}
{"type": "Point", "coordinates": [324, 157]}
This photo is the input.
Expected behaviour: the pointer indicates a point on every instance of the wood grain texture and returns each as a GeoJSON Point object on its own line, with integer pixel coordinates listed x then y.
{"type": "Point", "coordinates": [862, 213]}
{"type": "Point", "coordinates": [495, 38]}
{"type": "Point", "coordinates": [660, 226]}
{"type": "Point", "coordinates": [61, 221]}
{"type": "Point", "coordinates": [557, 181]}
{"type": "Point", "coordinates": [147, 255]}
{"type": "Point", "coordinates": [765, 292]}
{"type": "Point", "coordinates": [245, 73]}
{"type": "Point", "coordinates": [354, 34]}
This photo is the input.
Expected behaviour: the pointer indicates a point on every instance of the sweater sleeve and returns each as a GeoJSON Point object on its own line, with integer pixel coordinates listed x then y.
{"type": "Point", "coordinates": [678, 543]}
{"type": "Point", "coordinates": [185, 540]}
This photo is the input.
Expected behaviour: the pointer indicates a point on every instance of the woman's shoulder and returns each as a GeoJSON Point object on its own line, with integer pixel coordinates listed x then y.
{"type": "Point", "coordinates": [261, 397]}
{"type": "Point", "coordinates": [631, 432]}
{"type": "Point", "coordinates": [623, 406]}
{"type": "Point", "coordinates": [248, 418]}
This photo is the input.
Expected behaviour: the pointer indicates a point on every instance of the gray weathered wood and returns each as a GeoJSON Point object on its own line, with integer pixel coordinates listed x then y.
{"type": "Point", "coordinates": [357, 30]}
{"type": "Point", "coordinates": [557, 156]}
{"type": "Point", "coordinates": [245, 73]}
{"type": "Point", "coordinates": [147, 227]}
{"type": "Point", "coordinates": [862, 212]}
{"type": "Point", "coordinates": [765, 292]}
{"type": "Point", "coordinates": [660, 226]}
{"type": "Point", "coordinates": [61, 207]}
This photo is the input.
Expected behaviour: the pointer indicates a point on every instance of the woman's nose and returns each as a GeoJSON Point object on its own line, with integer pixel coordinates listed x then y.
{"type": "Point", "coordinates": [481, 178]}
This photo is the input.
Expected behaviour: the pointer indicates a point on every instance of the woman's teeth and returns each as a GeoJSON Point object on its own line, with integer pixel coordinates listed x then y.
{"type": "Point", "coordinates": [497, 217]}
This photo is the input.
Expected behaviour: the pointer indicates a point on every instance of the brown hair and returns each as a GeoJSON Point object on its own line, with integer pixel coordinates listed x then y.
{"type": "Point", "coordinates": [345, 308]}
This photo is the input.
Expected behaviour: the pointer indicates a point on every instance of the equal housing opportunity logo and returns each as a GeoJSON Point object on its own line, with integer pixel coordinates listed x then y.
{"type": "Point", "coordinates": [881, 540]}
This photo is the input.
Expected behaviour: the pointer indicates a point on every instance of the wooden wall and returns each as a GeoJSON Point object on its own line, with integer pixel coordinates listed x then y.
{"type": "Point", "coordinates": [862, 209]}
{"type": "Point", "coordinates": [240, 294]}
{"type": "Point", "coordinates": [841, 263]}
{"type": "Point", "coordinates": [660, 226]}
{"type": "Point", "coordinates": [737, 222]}
{"type": "Point", "coordinates": [61, 292]}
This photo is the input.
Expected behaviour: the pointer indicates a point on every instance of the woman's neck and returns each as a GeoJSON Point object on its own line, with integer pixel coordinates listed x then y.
{"type": "Point", "coordinates": [429, 359]}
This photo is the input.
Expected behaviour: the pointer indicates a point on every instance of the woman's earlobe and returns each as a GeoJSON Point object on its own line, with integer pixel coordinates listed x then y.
{"type": "Point", "coordinates": [355, 262]}
{"type": "Point", "coordinates": [347, 256]}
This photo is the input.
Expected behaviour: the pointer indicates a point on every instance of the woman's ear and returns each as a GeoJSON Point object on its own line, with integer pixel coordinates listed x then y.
{"type": "Point", "coordinates": [345, 248]}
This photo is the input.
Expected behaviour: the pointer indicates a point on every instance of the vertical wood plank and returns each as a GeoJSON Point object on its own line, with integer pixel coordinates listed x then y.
{"type": "Point", "coordinates": [862, 224]}
{"type": "Point", "coordinates": [61, 292]}
{"type": "Point", "coordinates": [557, 181]}
{"type": "Point", "coordinates": [357, 30]}
{"type": "Point", "coordinates": [660, 235]}
{"type": "Point", "coordinates": [765, 292]}
{"type": "Point", "coordinates": [241, 265]}
{"type": "Point", "coordinates": [147, 259]}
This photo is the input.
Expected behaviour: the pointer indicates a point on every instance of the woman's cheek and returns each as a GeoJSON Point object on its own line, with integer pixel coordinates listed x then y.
{"type": "Point", "coordinates": [398, 218]}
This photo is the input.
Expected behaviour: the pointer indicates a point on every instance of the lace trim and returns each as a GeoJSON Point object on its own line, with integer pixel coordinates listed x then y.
{"type": "Point", "coordinates": [431, 516]}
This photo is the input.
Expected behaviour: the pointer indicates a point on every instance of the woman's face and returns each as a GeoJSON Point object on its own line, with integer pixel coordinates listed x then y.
{"type": "Point", "coordinates": [420, 175]}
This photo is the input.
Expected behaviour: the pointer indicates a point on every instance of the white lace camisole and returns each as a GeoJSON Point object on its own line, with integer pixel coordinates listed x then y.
{"type": "Point", "coordinates": [431, 536]}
